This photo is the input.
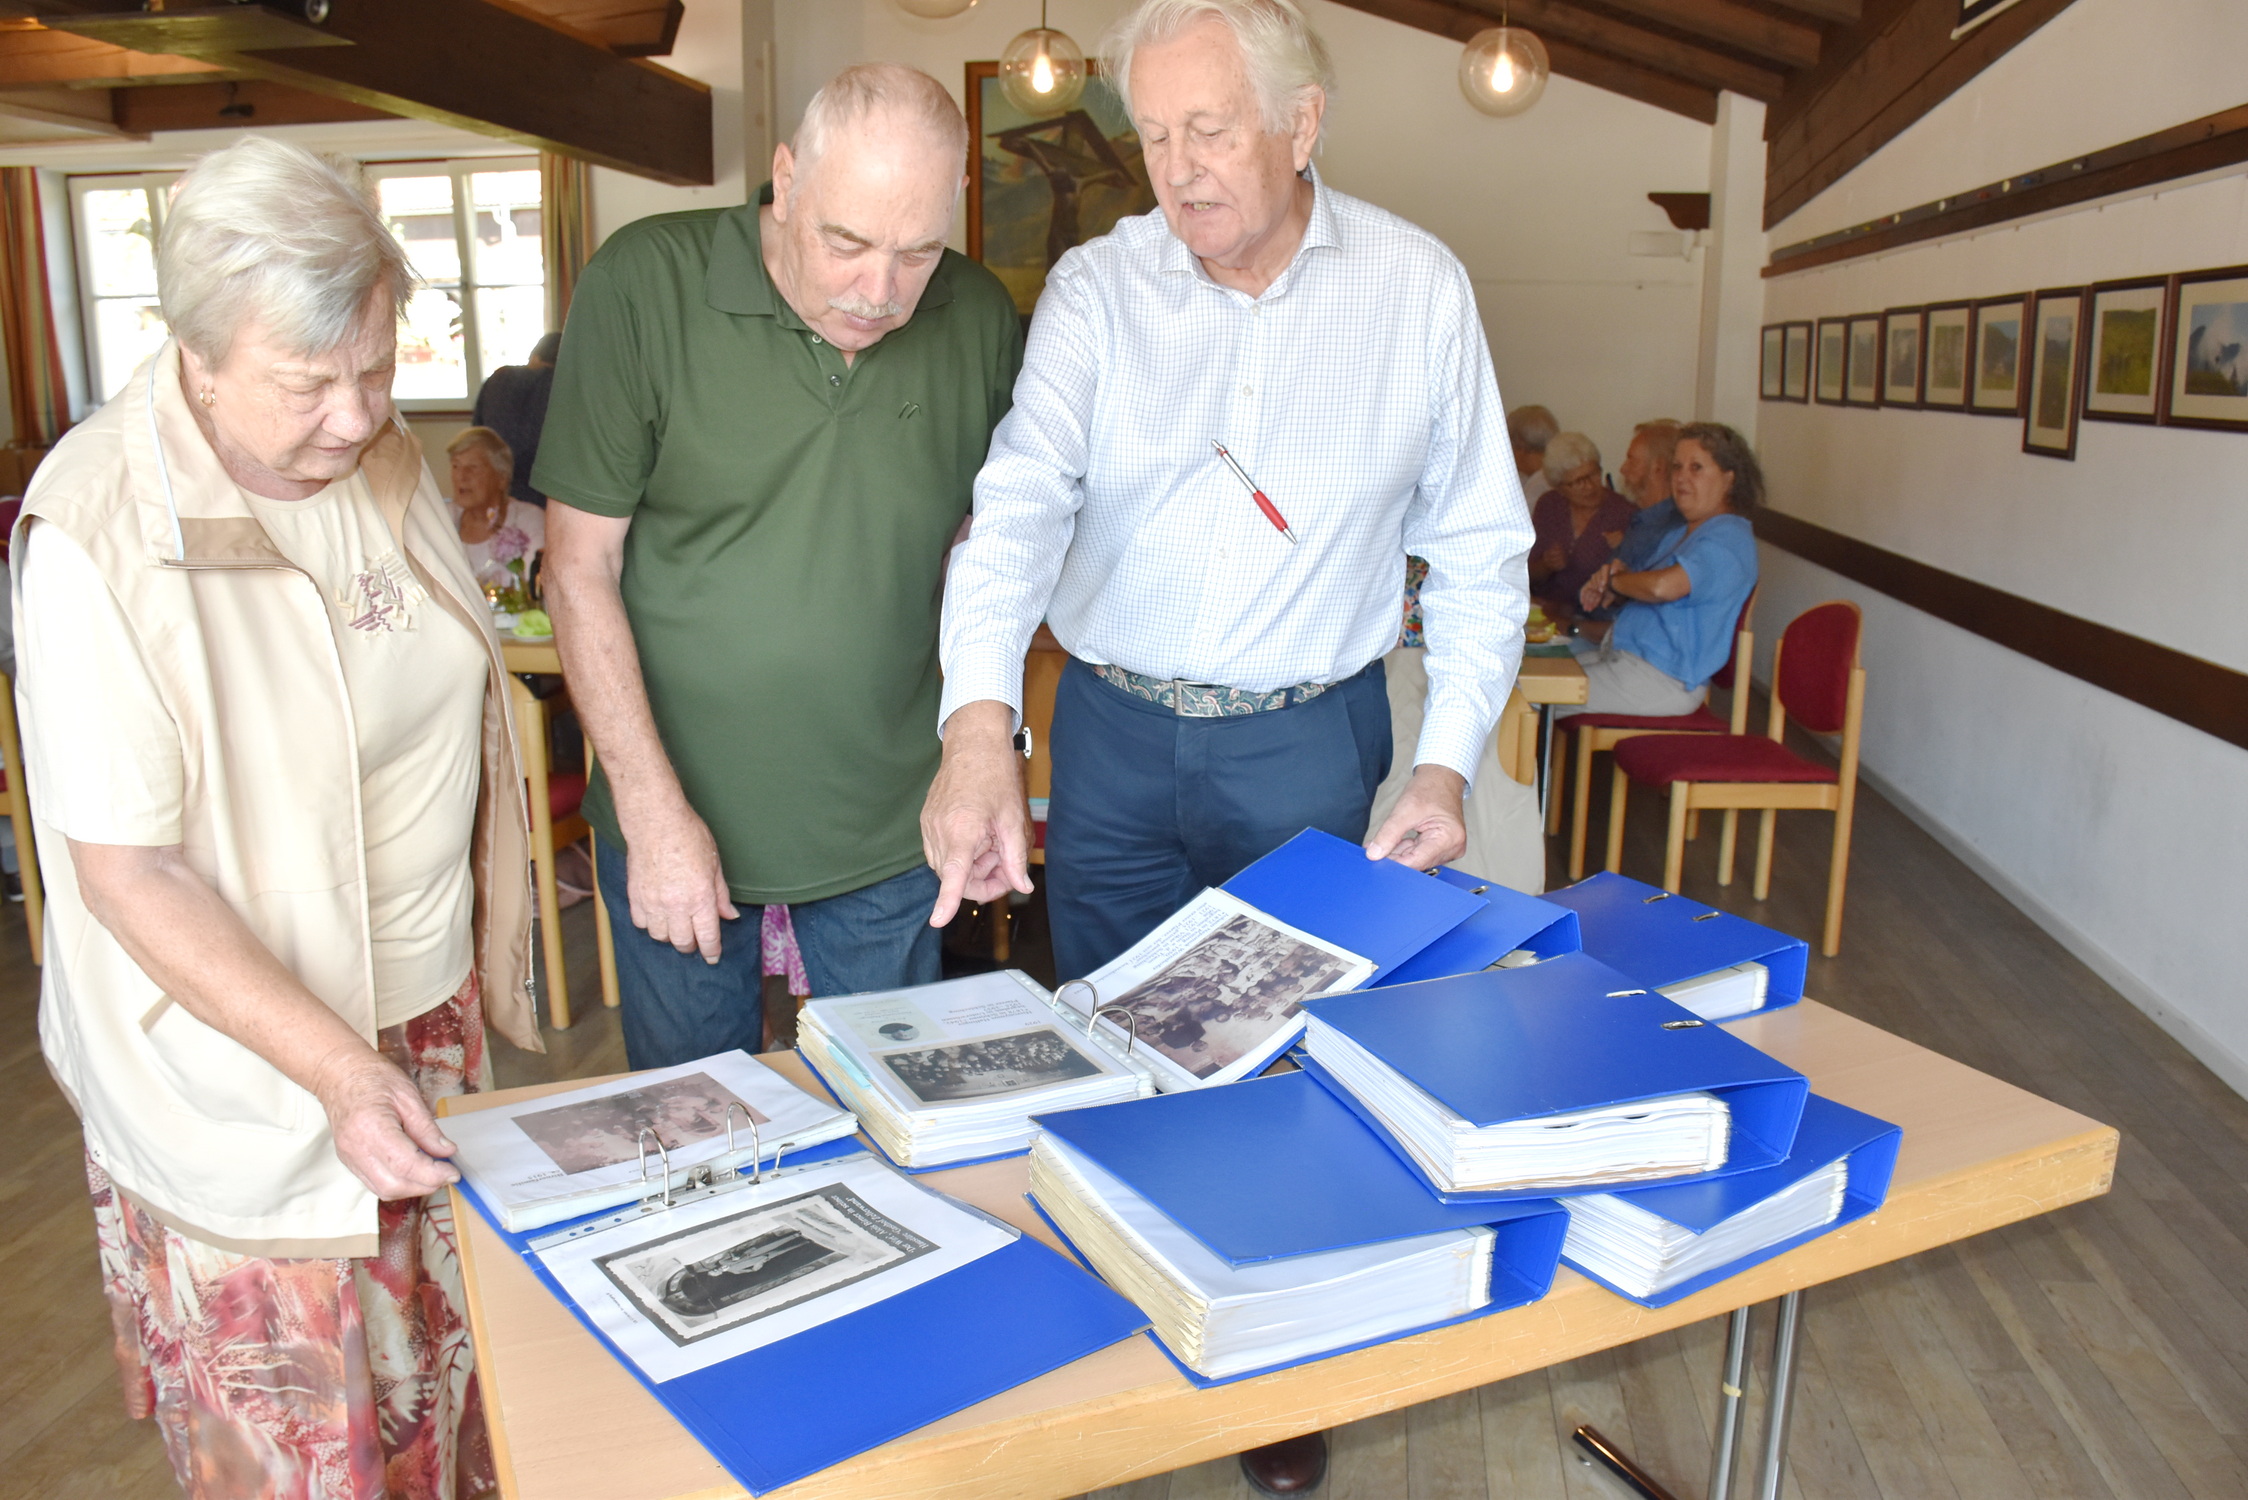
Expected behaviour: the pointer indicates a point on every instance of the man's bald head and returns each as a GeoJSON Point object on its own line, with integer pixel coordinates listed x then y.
{"type": "Point", "coordinates": [888, 100]}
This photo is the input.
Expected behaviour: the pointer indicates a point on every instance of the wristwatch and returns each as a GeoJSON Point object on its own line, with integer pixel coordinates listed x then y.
{"type": "Point", "coordinates": [1022, 741]}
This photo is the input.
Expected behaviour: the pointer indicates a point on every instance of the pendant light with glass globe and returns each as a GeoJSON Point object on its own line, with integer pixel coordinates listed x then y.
{"type": "Point", "coordinates": [936, 10]}
{"type": "Point", "coordinates": [1042, 72]}
{"type": "Point", "coordinates": [1504, 69]}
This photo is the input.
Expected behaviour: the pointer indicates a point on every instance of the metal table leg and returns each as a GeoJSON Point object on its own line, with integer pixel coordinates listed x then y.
{"type": "Point", "coordinates": [1545, 761]}
{"type": "Point", "coordinates": [1725, 1450]}
{"type": "Point", "coordinates": [1781, 1398]}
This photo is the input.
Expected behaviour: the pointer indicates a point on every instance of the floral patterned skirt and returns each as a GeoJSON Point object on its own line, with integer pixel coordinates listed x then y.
{"type": "Point", "coordinates": [311, 1379]}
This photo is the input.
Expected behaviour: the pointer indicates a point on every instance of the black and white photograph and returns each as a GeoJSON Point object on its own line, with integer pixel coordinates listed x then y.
{"type": "Point", "coordinates": [596, 1133]}
{"type": "Point", "coordinates": [735, 1270]}
{"type": "Point", "coordinates": [1216, 1001]}
{"type": "Point", "coordinates": [990, 1066]}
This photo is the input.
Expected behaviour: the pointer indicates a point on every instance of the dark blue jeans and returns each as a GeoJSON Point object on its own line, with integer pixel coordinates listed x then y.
{"type": "Point", "coordinates": [1148, 808]}
{"type": "Point", "coordinates": [678, 1008]}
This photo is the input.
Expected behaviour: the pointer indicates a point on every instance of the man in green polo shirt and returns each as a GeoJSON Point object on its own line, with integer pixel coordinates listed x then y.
{"type": "Point", "coordinates": [763, 437]}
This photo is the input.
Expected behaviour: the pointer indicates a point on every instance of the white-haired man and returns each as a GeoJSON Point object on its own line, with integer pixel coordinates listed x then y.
{"type": "Point", "coordinates": [764, 428]}
{"type": "Point", "coordinates": [1227, 690]}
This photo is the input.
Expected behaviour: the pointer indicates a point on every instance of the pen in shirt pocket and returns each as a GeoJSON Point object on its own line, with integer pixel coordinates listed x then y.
{"type": "Point", "coordinates": [1271, 511]}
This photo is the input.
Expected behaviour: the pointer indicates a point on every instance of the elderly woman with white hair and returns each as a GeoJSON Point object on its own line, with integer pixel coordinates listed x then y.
{"type": "Point", "coordinates": [500, 535]}
{"type": "Point", "coordinates": [272, 774]}
{"type": "Point", "coordinates": [1580, 523]}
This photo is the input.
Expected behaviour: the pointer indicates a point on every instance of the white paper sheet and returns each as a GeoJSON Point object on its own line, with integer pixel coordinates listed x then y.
{"type": "Point", "coordinates": [564, 1154]}
{"type": "Point", "coordinates": [1214, 992]}
{"type": "Point", "coordinates": [682, 1289]}
{"type": "Point", "coordinates": [961, 1044]}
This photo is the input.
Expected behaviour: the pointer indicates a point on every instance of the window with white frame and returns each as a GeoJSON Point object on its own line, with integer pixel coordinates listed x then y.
{"type": "Point", "coordinates": [471, 231]}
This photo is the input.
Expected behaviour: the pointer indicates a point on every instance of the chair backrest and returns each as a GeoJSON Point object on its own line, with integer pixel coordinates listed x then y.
{"type": "Point", "coordinates": [1723, 676]}
{"type": "Point", "coordinates": [1818, 652]}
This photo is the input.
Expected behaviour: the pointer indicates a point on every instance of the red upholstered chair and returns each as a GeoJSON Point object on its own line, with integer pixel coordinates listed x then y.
{"type": "Point", "coordinates": [1597, 732]}
{"type": "Point", "coordinates": [1817, 683]}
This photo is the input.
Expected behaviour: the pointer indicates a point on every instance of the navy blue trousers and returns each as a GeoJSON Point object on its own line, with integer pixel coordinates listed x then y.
{"type": "Point", "coordinates": [678, 1008]}
{"type": "Point", "coordinates": [1148, 808]}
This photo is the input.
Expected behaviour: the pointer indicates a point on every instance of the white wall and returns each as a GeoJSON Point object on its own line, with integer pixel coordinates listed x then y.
{"type": "Point", "coordinates": [708, 48]}
{"type": "Point", "coordinates": [2124, 832]}
{"type": "Point", "coordinates": [1539, 208]}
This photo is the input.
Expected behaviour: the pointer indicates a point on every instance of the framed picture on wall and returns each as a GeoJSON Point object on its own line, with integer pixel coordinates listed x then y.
{"type": "Point", "coordinates": [1834, 354]}
{"type": "Point", "coordinates": [2127, 331]}
{"type": "Point", "coordinates": [2208, 364]}
{"type": "Point", "coordinates": [1864, 385]}
{"type": "Point", "coordinates": [2056, 365]}
{"type": "Point", "coordinates": [1771, 371]}
{"type": "Point", "coordinates": [1996, 373]}
{"type": "Point", "coordinates": [1900, 356]}
{"type": "Point", "coordinates": [1038, 187]}
{"type": "Point", "coordinates": [1795, 375]}
{"type": "Point", "coordinates": [1946, 337]}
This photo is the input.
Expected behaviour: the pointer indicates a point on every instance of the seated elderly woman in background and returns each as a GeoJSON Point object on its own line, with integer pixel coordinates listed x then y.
{"type": "Point", "coordinates": [271, 774]}
{"type": "Point", "coordinates": [1579, 522]}
{"type": "Point", "coordinates": [1675, 627]}
{"type": "Point", "coordinates": [500, 533]}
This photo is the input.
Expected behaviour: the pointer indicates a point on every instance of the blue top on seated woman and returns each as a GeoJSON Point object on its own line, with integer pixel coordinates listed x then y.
{"type": "Point", "coordinates": [1690, 638]}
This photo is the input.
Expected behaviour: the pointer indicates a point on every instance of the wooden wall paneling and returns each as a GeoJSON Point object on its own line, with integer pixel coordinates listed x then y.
{"type": "Point", "coordinates": [1874, 82]}
{"type": "Point", "coordinates": [2198, 693]}
{"type": "Point", "coordinates": [2208, 144]}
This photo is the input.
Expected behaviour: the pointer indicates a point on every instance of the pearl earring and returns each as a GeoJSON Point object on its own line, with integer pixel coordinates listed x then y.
{"type": "Point", "coordinates": [204, 396]}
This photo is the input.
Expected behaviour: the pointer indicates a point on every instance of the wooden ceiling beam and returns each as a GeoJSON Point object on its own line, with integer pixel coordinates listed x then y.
{"type": "Point", "coordinates": [1788, 43]}
{"type": "Point", "coordinates": [198, 106]}
{"type": "Point", "coordinates": [32, 57]}
{"type": "Point", "coordinates": [498, 70]}
{"type": "Point", "coordinates": [1554, 20]}
{"type": "Point", "coordinates": [1841, 12]}
{"type": "Point", "coordinates": [629, 28]}
{"type": "Point", "coordinates": [1570, 59]}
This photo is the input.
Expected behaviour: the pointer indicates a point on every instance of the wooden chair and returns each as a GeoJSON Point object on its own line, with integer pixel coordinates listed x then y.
{"type": "Point", "coordinates": [18, 805]}
{"type": "Point", "coordinates": [557, 823]}
{"type": "Point", "coordinates": [1816, 683]}
{"type": "Point", "coordinates": [1597, 732]}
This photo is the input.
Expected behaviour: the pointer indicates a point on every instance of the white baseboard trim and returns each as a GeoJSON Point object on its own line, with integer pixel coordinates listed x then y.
{"type": "Point", "coordinates": [2214, 1055]}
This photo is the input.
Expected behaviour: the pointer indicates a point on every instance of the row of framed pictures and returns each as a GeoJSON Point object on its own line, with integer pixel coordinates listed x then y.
{"type": "Point", "coordinates": [2165, 349]}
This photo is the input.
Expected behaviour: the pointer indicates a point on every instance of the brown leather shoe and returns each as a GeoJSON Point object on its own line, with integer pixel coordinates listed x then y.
{"type": "Point", "coordinates": [1294, 1467]}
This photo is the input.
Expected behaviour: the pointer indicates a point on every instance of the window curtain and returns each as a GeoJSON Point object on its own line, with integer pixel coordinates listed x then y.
{"type": "Point", "coordinates": [37, 391]}
{"type": "Point", "coordinates": [566, 227]}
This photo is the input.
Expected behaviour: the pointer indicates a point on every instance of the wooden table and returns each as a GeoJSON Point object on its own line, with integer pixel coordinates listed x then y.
{"type": "Point", "coordinates": [540, 656]}
{"type": "Point", "coordinates": [1546, 681]}
{"type": "Point", "coordinates": [568, 1422]}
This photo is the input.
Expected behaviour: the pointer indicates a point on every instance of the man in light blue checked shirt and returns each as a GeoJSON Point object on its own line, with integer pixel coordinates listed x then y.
{"type": "Point", "coordinates": [1227, 690]}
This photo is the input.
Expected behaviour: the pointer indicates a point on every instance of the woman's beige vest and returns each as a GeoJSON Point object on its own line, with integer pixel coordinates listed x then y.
{"type": "Point", "coordinates": [241, 648]}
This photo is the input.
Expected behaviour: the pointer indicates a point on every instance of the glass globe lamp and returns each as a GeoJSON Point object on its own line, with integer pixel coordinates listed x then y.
{"type": "Point", "coordinates": [1504, 70]}
{"type": "Point", "coordinates": [936, 10]}
{"type": "Point", "coordinates": [1042, 72]}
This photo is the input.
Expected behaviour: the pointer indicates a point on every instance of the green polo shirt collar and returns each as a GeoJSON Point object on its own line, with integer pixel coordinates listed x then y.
{"type": "Point", "coordinates": [737, 281]}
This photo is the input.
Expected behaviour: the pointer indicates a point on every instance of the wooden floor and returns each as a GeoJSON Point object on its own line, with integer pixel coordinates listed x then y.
{"type": "Point", "coordinates": [2098, 1352]}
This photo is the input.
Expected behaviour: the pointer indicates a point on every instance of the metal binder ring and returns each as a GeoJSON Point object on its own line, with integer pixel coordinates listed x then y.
{"type": "Point", "coordinates": [663, 1152]}
{"type": "Point", "coordinates": [1130, 1020]}
{"type": "Point", "coordinates": [756, 1153]}
{"type": "Point", "coordinates": [1093, 1008]}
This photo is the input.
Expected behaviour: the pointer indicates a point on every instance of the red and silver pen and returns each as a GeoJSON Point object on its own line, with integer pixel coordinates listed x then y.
{"type": "Point", "coordinates": [1272, 512]}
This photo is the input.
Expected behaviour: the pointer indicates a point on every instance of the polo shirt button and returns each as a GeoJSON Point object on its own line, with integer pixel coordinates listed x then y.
{"type": "Point", "coordinates": [834, 380]}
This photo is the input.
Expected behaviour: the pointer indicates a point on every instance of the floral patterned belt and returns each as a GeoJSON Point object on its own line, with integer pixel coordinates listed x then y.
{"type": "Point", "coordinates": [1206, 700]}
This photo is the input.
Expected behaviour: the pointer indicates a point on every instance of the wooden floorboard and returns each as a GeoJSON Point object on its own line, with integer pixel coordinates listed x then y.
{"type": "Point", "coordinates": [2100, 1353]}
